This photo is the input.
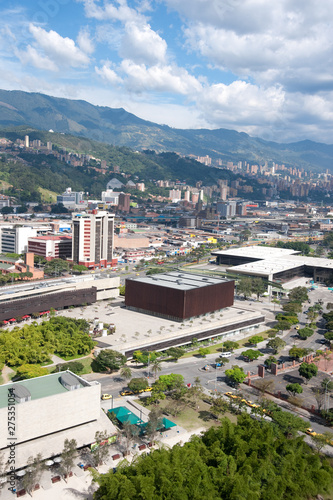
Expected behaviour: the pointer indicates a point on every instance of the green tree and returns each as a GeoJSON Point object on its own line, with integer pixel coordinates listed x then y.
{"type": "Point", "coordinates": [255, 339]}
{"type": "Point", "coordinates": [75, 367]}
{"type": "Point", "coordinates": [268, 361]}
{"type": "Point", "coordinates": [297, 352]}
{"type": "Point", "coordinates": [258, 287]}
{"type": "Point", "coordinates": [294, 389]}
{"type": "Point", "coordinates": [102, 451]}
{"type": "Point", "coordinates": [282, 325]}
{"type": "Point", "coordinates": [68, 456]}
{"type": "Point", "coordinates": [175, 353]}
{"type": "Point", "coordinates": [236, 374]}
{"type": "Point", "coordinates": [156, 367]}
{"type": "Point", "coordinates": [138, 384]}
{"type": "Point", "coordinates": [328, 336]}
{"type": "Point", "coordinates": [203, 351]}
{"type": "Point", "coordinates": [111, 360]}
{"type": "Point", "coordinates": [169, 382]}
{"type": "Point", "coordinates": [229, 345]}
{"type": "Point", "coordinates": [122, 290]}
{"type": "Point", "coordinates": [288, 423]}
{"type": "Point", "coordinates": [308, 370]}
{"type": "Point", "coordinates": [30, 371]}
{"type": "Point", "coordinates": [292, 308]}
{"type": "Point", "coordinates": [304, 333]}
{"type": "Point", "coordinates": [56, 267]}
{"type": "Point", "coordinates": [125, 372]}
{"type": "Point", "coordinates": [154, 424]}
{"type": "Point", "coordinates": [78, 268]}
{"type": "Point", "coordinates": [34, 473]}
{"type": "Point", "coordinates": [276, 344]}
{"type": "Point", "coordinates": [244, 287]}
{"type": "Point", "coordinates": [299, 294]}
{"type": "Point", "coordinates": [144, 357]}
{"type": "Point", "coordinates": [251, 354]}
{"type": "Point", "coordinates": [219, 406]}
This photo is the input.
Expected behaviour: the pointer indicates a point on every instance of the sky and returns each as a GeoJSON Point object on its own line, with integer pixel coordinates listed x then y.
{"type": "Point", "coordinates": [255, 66]}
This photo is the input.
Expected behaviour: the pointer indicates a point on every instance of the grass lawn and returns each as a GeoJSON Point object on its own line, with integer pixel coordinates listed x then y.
{"type": "Point", "coordinates": [193, 418]}
{"type": "Point", "coordinates": [85, 361]}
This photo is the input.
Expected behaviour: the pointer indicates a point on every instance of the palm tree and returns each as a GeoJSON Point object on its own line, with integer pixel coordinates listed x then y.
{"type": "Point", "coordinates": [126, 372]}
{"type": "Point", "coordinates": [156, 367]}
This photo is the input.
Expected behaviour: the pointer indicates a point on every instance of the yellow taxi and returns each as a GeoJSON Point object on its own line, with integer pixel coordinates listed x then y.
{"type": "Point", "coordinates": [106, 396]}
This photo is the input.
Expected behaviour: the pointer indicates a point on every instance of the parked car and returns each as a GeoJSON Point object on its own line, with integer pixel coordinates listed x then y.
{"type": "Point", "coordinates": [106, 396]}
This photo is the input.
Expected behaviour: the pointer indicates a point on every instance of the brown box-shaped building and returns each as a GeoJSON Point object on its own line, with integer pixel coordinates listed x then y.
{"type": "Point", "coordinates": [178, 295]}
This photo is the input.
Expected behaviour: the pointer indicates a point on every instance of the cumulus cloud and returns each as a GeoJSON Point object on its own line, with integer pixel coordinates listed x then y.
{"type": "Point", "coordinates": [62, 51]}
{"type": "Point", "coordinates": [116, 11]}
{"type": "Point", "coordinates": [143, 45]}
{"type": "Point", "coordinates": [159, 78]}
{"type": "Point", "coordinates": [108, 74]}
{"type": "Point", "coordinates": [84, 41]}
{"type": "Point", "coordinates": [31, 56]}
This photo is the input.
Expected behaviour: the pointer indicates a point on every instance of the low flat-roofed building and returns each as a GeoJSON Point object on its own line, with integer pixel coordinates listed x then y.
{"type": "Point", "coordinates": [275, 263]}
{"type": "Point", "coordinates": [179, 295]}
{"type": "Point", "coordinates": [46, 405]}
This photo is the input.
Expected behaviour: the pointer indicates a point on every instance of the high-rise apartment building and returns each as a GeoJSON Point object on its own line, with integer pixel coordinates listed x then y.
{"type": "Point", "coordinates": [124, 202]}
{"type": "Point", "coordinates": [93, 234]}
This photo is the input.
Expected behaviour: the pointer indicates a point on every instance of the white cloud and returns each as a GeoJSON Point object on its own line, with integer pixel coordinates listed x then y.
{"type": "Point", "coordinates": [84, 41]}
{"type": "Point", "coordinates": [121, 12]}
{"type": "Point", "coordinates": [159, 78]}
{"type": "Point", "coordinates": [62, 51]}
{"type": "Point", "coordinates": [142, 45]}
{"type": "Point", "coordinates": [31, 56]}
{"type": "Point", "coordinates": [108, 74]}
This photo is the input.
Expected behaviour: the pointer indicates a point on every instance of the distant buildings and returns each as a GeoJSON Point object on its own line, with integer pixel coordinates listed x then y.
{"type": "Point", "coordinates": [70, 199]}
{"type": "Point", "coordinates": [51, 246]}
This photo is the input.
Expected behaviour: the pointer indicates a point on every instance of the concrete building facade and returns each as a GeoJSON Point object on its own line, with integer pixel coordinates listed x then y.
{"type": "Point", "coordinates": [93, 239]}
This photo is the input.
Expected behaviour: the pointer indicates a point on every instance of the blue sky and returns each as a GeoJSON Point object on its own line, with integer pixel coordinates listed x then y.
{"type": "Point", "coordinates": [256, 66]}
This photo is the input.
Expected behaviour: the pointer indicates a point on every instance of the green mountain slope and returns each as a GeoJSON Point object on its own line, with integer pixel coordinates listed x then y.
{"type": "Point", "coordinates": [120, 128]}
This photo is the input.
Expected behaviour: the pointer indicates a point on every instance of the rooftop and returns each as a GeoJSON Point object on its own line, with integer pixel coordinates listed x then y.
{"type": "Point", "coordinates": [258, 252]}
{"type": "Point", "coordinates": [180, 280]}
{"type": "Point", "coordinates": [39, 387]}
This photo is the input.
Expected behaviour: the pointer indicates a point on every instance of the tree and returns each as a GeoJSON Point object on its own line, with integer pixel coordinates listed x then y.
{"type": "Point", "coordinates": [255, 339]}
{"type": "Point", "coordinates": [304, 333]}
{"type": "Point", "coordinates": [236, 374]}
{"type": "Point", "coordinates": [229, 345]}
{"type": "Point", "coordinates": [308, 370]}
{"type": "Point", "coordinates": [328, 336]}
{"type": "Point", "coordinates": [74, 366]}
{"type": "Point", "coordinates": [138, 384]}
{"type": "Point", "coordinates": [125, 372]}
{"type": "Point", "coordinates": [292, 308]}
{"type": "Point", "coordinates": [144, 357]}
{"type": "Point", "coordinates": [122, 290]}
{"type": "Point", "coordinates": [154, 424]}
{"type": "Point", "coordinates": [327, 384]}
{"type": "Point", "coordinates": [219, 406]}
{"type": "Point", "coordinates": [203, 351]}
{"type": "Point", "coordinates": [102, 451]}
{"type": "Point", "coordinates": [34, 473]}
{"type": "Point", "coordinates": [258, 287]}
{"type": "Point", "coordinates": [55, 267]}
{"type": "Point", "coordinates": [289, 423]}
{"type": "Point", "coordinates": [294, 389]}
{"type": "Point", "coordinates": [244, 287]}
{"type": "Point", "coordinates": [276, 344]}
{"type": "Point", "coordinates": [156, 367]}
{"type": "Point", "coordinates": [299, 294]}
{"type": "Point", "coordinates": [129, 432]}
{"type": "Point", "coordinates": [78, 268]}
{"type": "Point", "coordinates": [268, 361]}
{"type": "Point", "coordinates": [282, 325]}
{"type": "Point", "coordinates": [169, 382]}
{"type": "Point", "coordinates": [321, 440]}
{"type": "Point", "coordinates": [175, 353]}
{"type": "Point", "coordinates": [30, 371]}
{"type": "Point", "coordinates": [297, 352]}
{"type": "Point", "coordinates": [68, 456]}
{"type": "Point", "coordinates": [111, 360]}
{"type": "Point", "coordinates": [251, 354]}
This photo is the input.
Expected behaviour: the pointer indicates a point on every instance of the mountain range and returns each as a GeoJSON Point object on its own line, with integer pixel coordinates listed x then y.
{"type": "Point", "coordinates": [120, 128]}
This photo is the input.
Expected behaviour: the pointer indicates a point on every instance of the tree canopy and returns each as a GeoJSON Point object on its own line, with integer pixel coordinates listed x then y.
{"type": "Point", "coordinates": [34, 343]}
{"type": "Point", "coordinates": [108, 359]}
{"type": "Point", "coordinates": [251, 460]}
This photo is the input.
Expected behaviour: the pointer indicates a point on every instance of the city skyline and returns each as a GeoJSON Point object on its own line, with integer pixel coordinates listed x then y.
{"type": "Point", "coordinates": [250, 66]}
